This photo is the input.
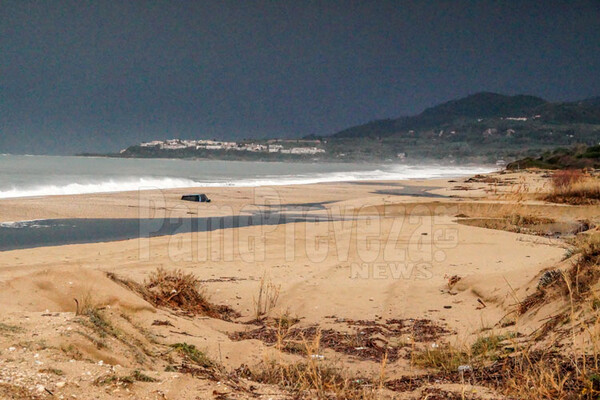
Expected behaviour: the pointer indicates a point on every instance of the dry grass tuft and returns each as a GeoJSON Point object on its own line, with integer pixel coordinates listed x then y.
{"type": "Point", "coordinates": [574, 283]}
{"type": "Point", "coordinates": [268, 294]}
{"type": "Point", "coordinates": [566, 178]}
{"type": "Point", "coordinates": [315, 378]}
{"type": "Point", "coordinates": [573, 187]}
{"type": "Point", "coordinates": [53, 371]}
{"type": "Point", "coordinates": [444, 357]}
{"type": "Point", "coordinates": [549, 375]}
{"type": "Point", "coordinates": [311, 379]}
{"type": "Point", "coordinates": [191, 353]}
{"type": "Point", "coordinates": [176, 290]}
{"type": "Point", "coordinates": [9, 329]}
{"type": "Point", "coordinates": [125, 381]}
{"type": "Point", "coordinates": [491, 347]}
{"type": "Point", "coordinates": [585, 271]}
{"type": "Point", "coordinates": [534, 299]}
{"type": "Point", "coordinates": [10, 391]}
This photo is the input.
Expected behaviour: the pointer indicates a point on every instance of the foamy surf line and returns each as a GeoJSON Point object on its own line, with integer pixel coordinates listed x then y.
{"type": "Point", "coordinates": [108, 186]}
{"type": "Point", "coordinates": [135, 184]}
{"type": "Point", "coordinates": [34, 223]}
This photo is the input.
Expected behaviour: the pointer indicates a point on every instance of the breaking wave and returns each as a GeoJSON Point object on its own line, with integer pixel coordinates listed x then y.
{"type": "Point", "coordinates": [398, 172]}
{"type": "Point", "coordinates": [385, 174]}
{"type": "Point", "coordinates": [24, 224]}
{"type": "Point", "coordinates": [110, 185]}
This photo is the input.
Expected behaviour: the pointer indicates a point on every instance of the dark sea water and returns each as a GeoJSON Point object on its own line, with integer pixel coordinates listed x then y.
{"type": "Point", "coordinates": [26, 176]}
{"type": "Point", "coordinates": [58, 232]}
{"type": "Point", "coordinates": [40, 176]}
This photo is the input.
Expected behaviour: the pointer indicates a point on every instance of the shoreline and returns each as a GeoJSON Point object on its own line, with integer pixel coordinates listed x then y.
{"type": "Point", "coordinates": [386, 161]}
{"type": "Point", "coordinates": [126, 177]}
{"type": "Point", "coordinates": [99, 203]}
{"type": "Point", "coordinates": [374, 182]}
{"type": "Point", "coordinates": [49, 228]}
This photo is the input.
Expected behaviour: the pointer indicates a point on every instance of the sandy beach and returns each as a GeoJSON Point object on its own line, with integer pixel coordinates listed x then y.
{"type": "Point", "coordinates": [381, 269]}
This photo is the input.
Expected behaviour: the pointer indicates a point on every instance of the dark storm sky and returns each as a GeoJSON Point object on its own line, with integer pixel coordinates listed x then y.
{"type": "Point", "coordinates": [99, 75]}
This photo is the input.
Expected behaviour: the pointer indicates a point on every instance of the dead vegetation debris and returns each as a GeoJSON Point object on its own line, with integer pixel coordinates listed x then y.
{"type": "Point", "coordinates": [367, 340]}
{"type": "Point", "coordinates": [432, 393]}
{"type": "Point", "coordinates": [574, 283]}
{"type": "Point", "coordinates": [536, 374]}
{"type": "Point", "coordinates": [10, 391]}
{"type": "Point", "coordinates": [157, 322]}
{"type": "Point", "coordinates": [178, 291]}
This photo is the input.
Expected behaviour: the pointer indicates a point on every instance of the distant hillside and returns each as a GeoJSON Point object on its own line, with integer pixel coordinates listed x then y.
{"type": "Point", "coordinates": [592, 101]}
{"type": "Point", "coordinates": [481, 128]}
{"type": "Point", "coordinates": [582, 112]}
{"type": "Point", "coordinates": [479, 106]}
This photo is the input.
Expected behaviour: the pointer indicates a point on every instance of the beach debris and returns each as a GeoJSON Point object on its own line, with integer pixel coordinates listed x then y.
{"type": "Point", "coordinates": [549, 277]}
{"type": "Point", "coordinates": [482, 304]}
{"type": "Point", "coordinates": [157, 322]}
{"type": "Point", "coordinates": [452, 280]}
{"type": "Point", "coordinates": [369, 340]}
{"type": "Point", "coordinates": [463, 368]}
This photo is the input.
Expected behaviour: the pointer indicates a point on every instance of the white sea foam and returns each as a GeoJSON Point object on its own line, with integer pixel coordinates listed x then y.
{"type": "Point", "coordinates": [121, 184]}
{"type": "Point", "coordinates": [110, 185]}
{"type": "Point", "coordinates": [387, 174]}
{"type": "Point", "coordinates": [24, 224]}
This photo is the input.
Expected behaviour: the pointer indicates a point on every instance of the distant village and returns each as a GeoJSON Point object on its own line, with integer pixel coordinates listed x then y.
{"type": "Point", "coordinates": [281, 146]}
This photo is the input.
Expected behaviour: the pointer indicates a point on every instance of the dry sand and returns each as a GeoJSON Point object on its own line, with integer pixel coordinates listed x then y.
{"type": "Point", "coordinates": [387, 254]}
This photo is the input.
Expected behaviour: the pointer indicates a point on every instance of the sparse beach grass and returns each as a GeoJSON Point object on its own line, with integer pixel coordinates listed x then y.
{"type": "Point", "coordinates": [573, 187]}
{"type": "Point", "coordinates": [314, 378]}
{"type": "Point", "coordinates": [190, 352]}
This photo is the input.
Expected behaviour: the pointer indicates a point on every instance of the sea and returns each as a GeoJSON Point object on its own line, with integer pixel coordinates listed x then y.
{"type": "Point", "coordinates": [35, 176]}
{"type": "Point", "coordinates": [41, 176]}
